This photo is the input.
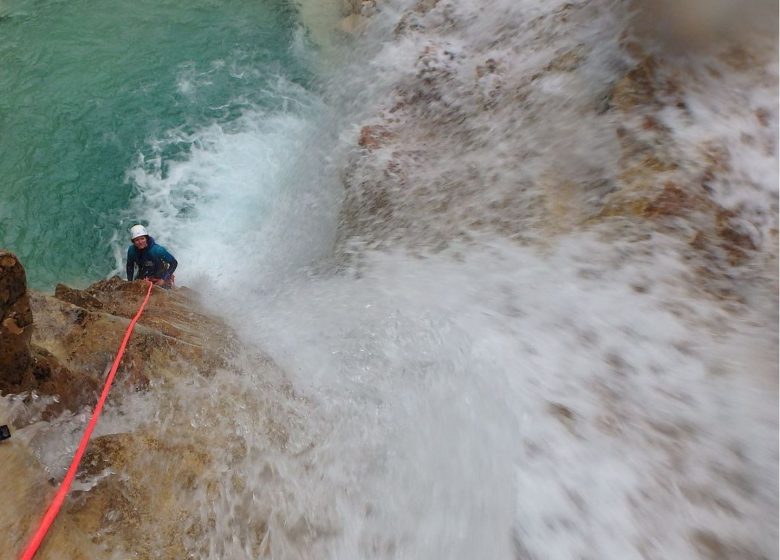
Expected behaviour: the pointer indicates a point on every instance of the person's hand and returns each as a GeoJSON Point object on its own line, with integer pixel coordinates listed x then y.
{"type": "Point", "coordinates": [159, 282]}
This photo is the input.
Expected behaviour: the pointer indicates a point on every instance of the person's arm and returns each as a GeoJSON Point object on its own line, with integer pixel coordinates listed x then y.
{"type": "Point", "coordinates": [172, 264]}
{"type": "Point", "coordinates": [130, 263]}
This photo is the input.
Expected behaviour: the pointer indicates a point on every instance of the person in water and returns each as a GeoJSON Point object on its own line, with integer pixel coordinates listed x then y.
{"type": "Point", "coordinates": [154, 262]}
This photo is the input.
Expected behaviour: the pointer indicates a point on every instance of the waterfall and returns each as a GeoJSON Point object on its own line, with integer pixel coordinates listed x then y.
{"type": "Point", "coordinates": [505, 278]}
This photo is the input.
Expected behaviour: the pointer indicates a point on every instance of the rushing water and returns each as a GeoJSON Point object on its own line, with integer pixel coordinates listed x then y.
{"type": "Point", "coordinates": [458, 394]}
{"type": "Point", "coordinates": [89, 88]}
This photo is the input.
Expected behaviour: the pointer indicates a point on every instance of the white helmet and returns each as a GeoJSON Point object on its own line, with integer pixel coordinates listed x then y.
{"type": "Point", "coordinates": [137, 231]}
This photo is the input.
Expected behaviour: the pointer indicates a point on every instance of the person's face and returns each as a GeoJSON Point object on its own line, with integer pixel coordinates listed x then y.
{"type": "Point", "coordinates": [140, 242]}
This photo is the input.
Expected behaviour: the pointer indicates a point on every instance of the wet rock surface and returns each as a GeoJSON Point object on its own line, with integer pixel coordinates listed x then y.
{"type": "Point", "coordinates": [31, 493]}
{"type": "Point", "coordinates": [119, 509]}
{"type": "Point", "coordinates": [57, 349]}
{"type": "Point", "coordinates": [15, 321]}
{"type": "Point", "coordinates": [643, 155]}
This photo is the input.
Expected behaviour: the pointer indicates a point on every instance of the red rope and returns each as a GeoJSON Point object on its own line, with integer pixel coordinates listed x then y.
{"type": "Point", "coordinates": [54, 508]}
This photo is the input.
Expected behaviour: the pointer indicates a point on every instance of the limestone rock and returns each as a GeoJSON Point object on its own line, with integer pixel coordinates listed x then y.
{"type": "Point", "coordinates": [372, 137]}
{"type": "Point", "coordinates": [120, 508]}
{"type": "Point", "coordinates": [30, 492]}
{"type": "Point", "coordinates": [47, 375]}
{"type": "Point", "coordinates": [77, 297]}
{"type": "Point", "coordinates": [85, 335]}
{"type": "Point", "coordinates": [25, 367]}
{"type": "Point", "coordinates": [15, 319]}
{"type": "Point", "coordinates": [77, 334]}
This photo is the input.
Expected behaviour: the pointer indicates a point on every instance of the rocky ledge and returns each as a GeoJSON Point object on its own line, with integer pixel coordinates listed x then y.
{"type": "Point", "coordinates": [54, 353]}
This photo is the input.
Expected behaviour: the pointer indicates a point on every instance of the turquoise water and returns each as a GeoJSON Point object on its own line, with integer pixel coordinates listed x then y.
{"type": "Point", "coordinates": [88, 87]}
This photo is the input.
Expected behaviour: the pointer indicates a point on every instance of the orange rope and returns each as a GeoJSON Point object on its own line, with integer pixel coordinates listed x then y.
{"type": "Point", "coordinates": [59, 498]}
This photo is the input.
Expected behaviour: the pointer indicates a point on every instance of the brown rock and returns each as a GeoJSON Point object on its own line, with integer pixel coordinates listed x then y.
{"type": "Point", "coordinates": [563, 414]}
{"type": "Point", "coordinates": [490, 67]}
{"type": "Point", "coordinates": [46, 375]}
{"type": "Point", "coordinates": [76, 336]}
{"type": "Point", "coordinates": [739, 58]}
{"type": "Point", "coordinates": [372, 137]}
{"type": "Point", "coordinates": [673, 201]}
{"type": "Point", "coordinates": [637, 87]}
{"type": "Point", "coordinates": [86, 339]}
{"type": "Point", "coordinates": [15, 319]}
{"type": "Point", "coordinates": [565, 62]}
{"type": "Point", "coordinates": [123, 508]}
{"type": "Point", "coordinates": [25, 367]}
{"type": "Point", "coordinates": [9, 324]}
{"type": "Point", "coordinates": [735, 241]}
{"type": "Point", "coordinates": [25, 501]}
{"type": "Point", "coordinates": [411, 20]}
{"type": "Point", "coordinates": [77, 297]}
{"type": "Point", "coordinates": [425, 6]}
{"type": "Point", "coordinates": [763, 117]}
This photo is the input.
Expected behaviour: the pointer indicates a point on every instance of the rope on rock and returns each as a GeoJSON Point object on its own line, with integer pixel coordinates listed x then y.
{"type": "Point", "coordinates": [59, 498]}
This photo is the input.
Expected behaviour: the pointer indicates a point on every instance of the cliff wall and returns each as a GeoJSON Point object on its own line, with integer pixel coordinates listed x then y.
{"type": "Point", "coordinates": [54, 354]}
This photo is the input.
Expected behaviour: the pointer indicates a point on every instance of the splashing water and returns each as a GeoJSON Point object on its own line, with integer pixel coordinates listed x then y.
{"type": "Point", "coordinates": [478, 398]}
{"type": "Point", "coordinates": [471, 361]}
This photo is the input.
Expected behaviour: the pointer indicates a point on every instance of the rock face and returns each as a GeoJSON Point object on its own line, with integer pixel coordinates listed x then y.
{"type": "Point", "coordinates": [15, 321]}
{"type": "Point", "coordinates": [569, 121]}
{"type": "Point", "coordinates": [83, 328]}
{"type": "Point", "coordinates": [76, 334]}
{"type": "Point", "coordinates": [25, 500]}
{"type": "Point", "coordinates": [59, 347]}
{"type": "Point", "coordinates": [24, 366]}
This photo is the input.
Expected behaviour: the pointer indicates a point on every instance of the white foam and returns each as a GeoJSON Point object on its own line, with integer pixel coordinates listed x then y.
{"type": "Point", "coordinates": [495, 400]}
{"type": "Point", "coordinates": [520, 397]}
{"type": "Point", "coordinates": [248, 203]}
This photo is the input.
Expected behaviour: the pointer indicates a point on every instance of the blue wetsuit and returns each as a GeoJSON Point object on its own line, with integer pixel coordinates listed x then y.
{"type": "Point", "coordinates": [153, 262]}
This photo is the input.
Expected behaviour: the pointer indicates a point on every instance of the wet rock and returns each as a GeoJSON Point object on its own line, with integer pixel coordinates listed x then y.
{"type": "Point", "coordinates": [15, 320]}
{"type": "Point", "coordinates": [76, 337]}
{"type": "Point", "coordinates": [351, 6]}
{"type": "Point", "coordinates": [174, 313]}
{"type": "Point", "coordinates": [732, 232]}
{"type": "Point", "coordinates": [672, 201]}
{"type": "Point", "coordinates": [170, 330]}
{"type": "Point", "coordinates": [124, 503]}
{"type": "Point", "coordinates": [711, 546]}
{"type": "Point", "coordinates": [30, 493]}
{"type": "Point", "coordinates": [563, 414]}
{"type": "Point", "coordinates": [637, 87]}
{"type": "Point", "coordinates": [566, 62]}
{"type": "Point", "coordinates": [352, 23]}
{"type": "Point", "coordinates": [78, 332]}
{"type": "Point", "coordinates": [373, 137]}
{"type": "Point", "coordinates": [47, 376]}
{"type": "Point", "coordinates": [25, 367]}
{"type": "Point", "coordinates": [411, 20]}
{"type": "Point", "coordinates": [763, 117]}
{"type": "Point", "coordinates": [356, 13]}
{"type": "Point", "coordinates": [425, 6]}
{"type": "Point", "coordinates": [77, 297]}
